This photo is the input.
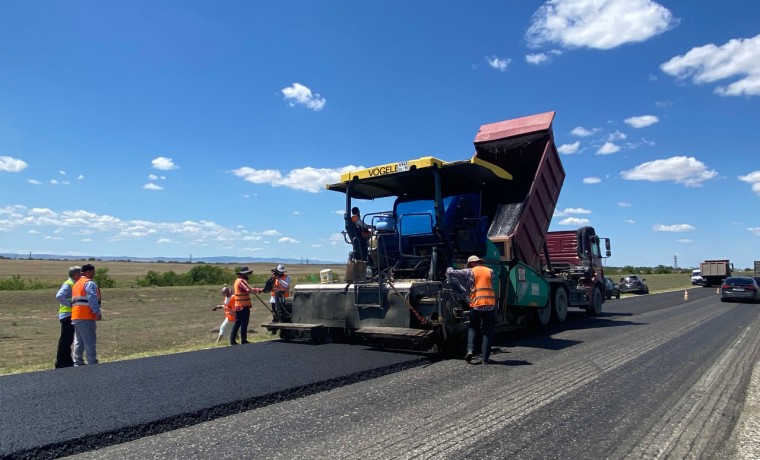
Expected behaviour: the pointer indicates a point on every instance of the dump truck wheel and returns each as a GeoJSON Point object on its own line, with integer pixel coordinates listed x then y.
{"type": "Point", "coordinates": [559, 305]}
{"type": "Point", "coordinates": [544, 315]}
{"type": "Point", "coordinates": [595, 309]}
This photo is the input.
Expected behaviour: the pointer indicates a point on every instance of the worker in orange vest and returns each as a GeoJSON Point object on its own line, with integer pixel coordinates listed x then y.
{"type": "Point", "coordinates": [85, 311]}
{"type": "Point", "coordinates": [364, 230]}
{"type": "Point", "coordinates": [228, 305]}
{"type": "Point", "coordinates": [478, 280]}
{"type": "Point", "coordinates": [280, 290]}
{"type": "Point", "coordinates": [242, 291]}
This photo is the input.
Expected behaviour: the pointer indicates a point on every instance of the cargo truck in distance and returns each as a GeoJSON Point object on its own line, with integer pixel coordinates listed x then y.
{"type": "Point", "coordinates": [715, 271]}
{"type": "Point", "coordinates": [497, 205]}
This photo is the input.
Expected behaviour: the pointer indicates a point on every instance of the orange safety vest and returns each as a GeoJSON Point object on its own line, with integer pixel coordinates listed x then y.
{"type": "Point", "coordinates": [80, 306]}
{"type": "Point", "coordinates": [242, 299]}
{"type": "Point", "coordinates": [277, 289]}
{"type": "Point", "coordinates": [482, 294]}
{"type": "Point", "coordinates": [229, 308]}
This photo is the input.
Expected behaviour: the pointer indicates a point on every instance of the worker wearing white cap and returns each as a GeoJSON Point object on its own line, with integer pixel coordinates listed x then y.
{"type": "Point", "coordinates": [478, 280]}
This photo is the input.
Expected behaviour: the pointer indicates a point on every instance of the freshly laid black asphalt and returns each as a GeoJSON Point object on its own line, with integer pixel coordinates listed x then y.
{"type": "Point", "coordinates": [48, 414]}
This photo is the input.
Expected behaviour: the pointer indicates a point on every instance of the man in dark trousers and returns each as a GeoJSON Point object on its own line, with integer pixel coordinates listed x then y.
{"type": "Point", "coordinates": [478, 280]}
{"type": "Point", "coordinates": [242, 291]}
{"type": "Point", "coordinates": [63, 356]}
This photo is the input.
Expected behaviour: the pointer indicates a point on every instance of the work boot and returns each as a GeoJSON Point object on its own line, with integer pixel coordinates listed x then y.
{"type": "Point", "coordinates": [468, 356]}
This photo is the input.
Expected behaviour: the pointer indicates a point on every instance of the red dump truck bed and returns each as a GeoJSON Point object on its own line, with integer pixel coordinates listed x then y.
{"type": "Point", "coordinates": [524, 147]}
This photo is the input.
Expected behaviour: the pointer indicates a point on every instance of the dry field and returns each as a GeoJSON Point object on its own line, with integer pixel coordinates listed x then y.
{"type": "Point", "coordinates": [136, 321]}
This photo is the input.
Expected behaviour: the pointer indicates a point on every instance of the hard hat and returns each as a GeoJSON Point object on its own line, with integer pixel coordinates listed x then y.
{"type": "Point", "coordinates": [472, 259]}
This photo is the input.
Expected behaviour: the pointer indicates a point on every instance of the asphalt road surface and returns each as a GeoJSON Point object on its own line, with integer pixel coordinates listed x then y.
{"type": "Point", "coordinates": [654, 377]}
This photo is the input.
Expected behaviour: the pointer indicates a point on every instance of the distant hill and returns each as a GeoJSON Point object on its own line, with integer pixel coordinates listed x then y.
{"type": "Point", "coordinates": [208, 260]}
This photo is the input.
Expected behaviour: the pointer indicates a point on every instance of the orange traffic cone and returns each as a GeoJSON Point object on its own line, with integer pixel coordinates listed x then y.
{"type": "Point", "coordinates": [685, 295]}
{"type": "Point", "coordinates": [717, 291]}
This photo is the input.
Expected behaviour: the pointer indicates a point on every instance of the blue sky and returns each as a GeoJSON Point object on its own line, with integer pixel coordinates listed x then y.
{"type": "Point", "coordinates": [173, 128]}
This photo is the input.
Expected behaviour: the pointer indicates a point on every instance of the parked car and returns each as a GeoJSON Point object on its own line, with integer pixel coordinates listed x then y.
{"type": "Point", "coordinates": [696, 277]}
{"type": "Point", "coordinates": [740, 288]}
{"type": "Point", "coordinates": [633, 283]}
{"type": "Point", "coordinates": [611, 288]}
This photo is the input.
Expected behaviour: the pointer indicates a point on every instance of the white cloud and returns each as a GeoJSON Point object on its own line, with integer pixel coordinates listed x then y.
{"type": "Point", "coordinates": [81, 222]}
{"type": "Point", "coordinates": [737, 59]}
{"type": "Point", "coordinates": [299, 94]}
{"type": "Point", "coordinates": [681, 170]}
{"type": "Point", "coordinates": [592, 180]}
{"type": "Point", "coordinates": [629, 221]}
{"type": "Point", "coordinates": [164, 241]}
{"type": "Point", "coordinates": [337, 238]}
{"type": "Point", "coordinates": [34, 182]}
{"type": "Point", "coordinates": [616, 136]}
{"type": "Point", "coordinates": [623, 204]}
{"type": "Point", "coordinates": [287, 239]}
{"type": "Point", "coordinates": [754, 179]}
{"type": "Point", "coordinates": [43, 212]}
{"type": "Point", "coordinates": [577, 211]}
{"type": "Point", "coordinates": [152, 177]}
{"type": "Point", "coordinates": [608, 148]}
{"type": "Point", "coordinates": [597, 24]}
{"type": "Point", "coordinates": [164, 164]}
{"type": "Point", "coordinates": [80, 177]}
{"type": "Point", "coordinates": [537, 59]}
{"type": "Point", "coordinates": [641, 121]}
{"type": "Point", "coordinates": [152, 186]}
{"type": "Point", "coordinates": [62, 173]}
{"type": "Point", "coordinates": [754, 230]}
{"type": "Point", "coordinates": [677, 228]}
{"type": "Point", "coordinates": [499, 64]}
{"type": "Point", "coordinates": [54, 182]}
{"type": "Point", "coordinates": [271, 233]}
{"type": "Point", "coordinates": [307, 179]}
{"type": "Point", "coordinates": [542, 58]}
{"type": "Point", "coordinates": [575, 221]}
{"type": "Point", "coordinates": [580, 131]}
{"type": "Point", "coordinates": [10, 164]}
{"type": "Point", "coordinates": [569, 149]}
{"type": "Point", "coordinates": [685, 241]}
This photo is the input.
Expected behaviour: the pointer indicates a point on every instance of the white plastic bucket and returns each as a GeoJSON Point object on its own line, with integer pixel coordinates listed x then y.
{"type": "Point", "coordinates": [326, 276]}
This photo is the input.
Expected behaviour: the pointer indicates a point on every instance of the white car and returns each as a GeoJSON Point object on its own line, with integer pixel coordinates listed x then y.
{"type": "Point", "coordinates": [696, 277]}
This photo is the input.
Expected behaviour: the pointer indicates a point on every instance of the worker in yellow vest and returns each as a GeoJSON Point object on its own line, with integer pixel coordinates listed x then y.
{"type": "Point", "coordinates": [85, 311]}
{"type": "Point", "coordinates": [63, 355]}
{"type": "Point", "coordinates": [478, 280]}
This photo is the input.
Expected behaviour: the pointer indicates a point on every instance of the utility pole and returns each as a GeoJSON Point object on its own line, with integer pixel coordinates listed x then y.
{"type": "Point", "coordinates": [675, 261]}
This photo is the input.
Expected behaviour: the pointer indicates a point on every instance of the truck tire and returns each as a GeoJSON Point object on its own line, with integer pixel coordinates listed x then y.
{"type": "Point", "coordinates": [544, 315]}
{"type": "Point", "coordinates": [559, 305]}
{"type": "Point", "coordinates": [595, 308]}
